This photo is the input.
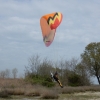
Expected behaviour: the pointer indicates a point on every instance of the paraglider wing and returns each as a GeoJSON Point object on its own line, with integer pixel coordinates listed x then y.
{"type": "Point", "coordinates": [48, 24]}
{"type": "Point", "coordinates": [48, 40]}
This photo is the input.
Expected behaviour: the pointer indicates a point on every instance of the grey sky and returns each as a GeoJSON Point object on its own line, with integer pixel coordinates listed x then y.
{"type": "Point", "coordinates": [20, 32]}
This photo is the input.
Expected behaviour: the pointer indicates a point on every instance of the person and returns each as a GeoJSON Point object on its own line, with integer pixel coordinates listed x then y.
{"type": "Point", "coordinates": [55, 77]}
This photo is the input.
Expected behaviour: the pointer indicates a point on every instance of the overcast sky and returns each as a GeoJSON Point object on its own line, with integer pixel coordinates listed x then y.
{"type": "Point", "coordinates": [21, 37]}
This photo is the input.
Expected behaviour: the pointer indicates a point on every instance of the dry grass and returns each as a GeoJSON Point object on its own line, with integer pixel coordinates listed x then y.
{"type": "Point", "coordinates": [4, 94]}
{"type": "Point", "coordinates": [33, 90]}
{"type": "Point", "coordinates": [49, 94]}
{"type": "Point", "coordinates": [81, 96]}
{"type": "Point", "coordinates": [80, 89]}
{"type": "Point", "coordinates": [68, 90]}
{"type": "Point", "coordinates": [11, 83]}
{"type": "Point", "coordinates": [10, 87]}
{"type": "Point", "coordinates": [15, 91]}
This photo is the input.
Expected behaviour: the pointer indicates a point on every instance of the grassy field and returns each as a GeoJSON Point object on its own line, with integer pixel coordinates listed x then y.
{"type": "Point", "coordinates": [22, 90]}
{"type": "Point", "coordinates": [81, 96]}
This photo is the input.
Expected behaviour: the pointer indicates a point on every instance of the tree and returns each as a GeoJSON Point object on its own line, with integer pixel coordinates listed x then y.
{"type": "Point", "coordinates": [2, 74]}
{"type": "Point", "coordinates": [45, 68]}
{"type": "Point", "coordinates": [66, 68]}
{"type": "Point", "coordinates": [33, 65]}
{"type": "Point", "coordinates": [81, 70]}
{"type": "Point", "coordinates": [91, 58]}
{"type": "Point", "coordinates": [7, 72]}
{"type": "Point", "coordinates": [14, 72]}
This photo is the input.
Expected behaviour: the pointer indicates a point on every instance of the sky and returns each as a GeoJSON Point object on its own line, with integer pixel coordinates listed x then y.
{"type": "Point", "coordinates": [21, 36]}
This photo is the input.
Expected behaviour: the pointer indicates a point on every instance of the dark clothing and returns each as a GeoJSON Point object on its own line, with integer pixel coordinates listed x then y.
{"type": "Point", "coordinates": [55, 76]}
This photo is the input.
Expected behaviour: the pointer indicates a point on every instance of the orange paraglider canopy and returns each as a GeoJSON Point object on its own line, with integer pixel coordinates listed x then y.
{"type": "Point", "coordinates": [48, 24]}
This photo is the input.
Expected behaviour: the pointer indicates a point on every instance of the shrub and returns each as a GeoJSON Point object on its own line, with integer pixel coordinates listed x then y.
{"type": "Point", "coordinates": [4, 94]}
{"type": "Point", "coordinates": [43, 80]}
{"type": "Point", "coordinates": [47, 84]}
{"type": "Point", "coordinates": [74, 80]}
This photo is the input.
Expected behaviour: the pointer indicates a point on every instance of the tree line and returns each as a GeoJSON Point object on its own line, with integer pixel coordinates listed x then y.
{"type": "Point", "coordinates": [9, 73]}
{"type": "Point", "coordinates": [72, 72]}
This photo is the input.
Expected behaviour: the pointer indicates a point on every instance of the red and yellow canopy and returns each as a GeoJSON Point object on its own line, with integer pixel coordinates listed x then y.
{"type": "Point", "coordinates": [48, 24]}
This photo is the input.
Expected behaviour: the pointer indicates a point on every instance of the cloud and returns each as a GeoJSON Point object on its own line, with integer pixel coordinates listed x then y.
{"type": "Point", "coordinates": [21, 36]}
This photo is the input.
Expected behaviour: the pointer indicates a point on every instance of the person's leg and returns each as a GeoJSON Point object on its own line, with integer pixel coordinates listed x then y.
{"type": "Point", "coordinates": [60, 83]}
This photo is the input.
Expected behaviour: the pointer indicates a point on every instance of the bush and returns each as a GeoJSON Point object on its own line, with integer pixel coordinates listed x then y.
{"type": "Point", "coordinates": [48, 84]}
{"type": "Point", "coordinates": [4, 94]}
{"type": "Point", "coordinates": [74, 80]}
{"type": "Point", "coordinates": [43, 80]}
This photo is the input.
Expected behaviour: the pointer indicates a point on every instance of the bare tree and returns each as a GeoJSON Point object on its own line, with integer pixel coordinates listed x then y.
{"type": "Point", "coordinates": [45, 68]}
{"type": "Point", "coordinates": [2, 74]}
{"type": "Point", "coordinates": [14, 72]}
{"type": "Point", "coordinates": [7, 73]}
{"type": "Point", "coordinates": [33, 65]}
{"type": "Point", "coordinates": [73, 63]}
